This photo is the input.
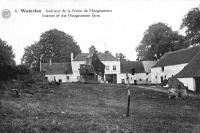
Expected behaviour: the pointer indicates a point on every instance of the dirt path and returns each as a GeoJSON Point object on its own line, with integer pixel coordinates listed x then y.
{"type": "Point", "coordinates": [152, 88]}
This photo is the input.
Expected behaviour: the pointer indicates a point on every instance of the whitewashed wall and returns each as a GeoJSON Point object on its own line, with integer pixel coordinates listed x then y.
{"type": "Point", "coordinates": [141, 78]}
{"type": "Point", "coordinates": [189, 82]}
{"type": "Point", "coordinates": [168, 72]}
{"type": "Point", "coordinates": [76, 66]}
{"type": "Point", "coordinates": [63, 77]}
{"type": "Point", "coordinates": [111, 71]}
{"type": "Point", "coordinates": [111, 64]}
{"type": "Point", "coordinates": [75, 70]}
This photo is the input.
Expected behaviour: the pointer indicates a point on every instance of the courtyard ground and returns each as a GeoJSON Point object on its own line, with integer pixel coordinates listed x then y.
{"type": "Point", "coordinates": [97, 108]}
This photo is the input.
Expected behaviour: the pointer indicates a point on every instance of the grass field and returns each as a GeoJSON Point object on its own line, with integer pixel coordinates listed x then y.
{"type": "Point", "coordinates": [98, 108]}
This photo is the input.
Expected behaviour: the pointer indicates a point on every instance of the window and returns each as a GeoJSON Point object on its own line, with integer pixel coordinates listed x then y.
{"type": "Point", "coordinates": [140, 79]}
{"type": "Point", "coordinates": [147, 79]}
{"type": "Point", "coordinates": [163, 68]}
{"type": "Point", "coordinates": [114, 67]}
{"type": "Point", "coordinates": [165, 76]}
{"type": "Point", "coordinates": [107, 68]}
{"type": "Point", "coordinates": [78, 77]}
{"type": "Point", "coordinates": [155, 77]}
{"type": "Point", "coordinates": [67, 77]}
{"type": "Point", "coordinates": [147, 73]}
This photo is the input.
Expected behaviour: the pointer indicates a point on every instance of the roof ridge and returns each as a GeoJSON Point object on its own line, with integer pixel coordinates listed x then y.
{"type": "Point", "coordinates": [102, 57]}
{"type": "Point", "coordinates": [187, 48]}
{"type": "Point", "coordinates": [177, 57]}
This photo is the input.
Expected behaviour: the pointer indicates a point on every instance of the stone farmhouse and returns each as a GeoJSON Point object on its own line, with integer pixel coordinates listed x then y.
{"type": "Point", "coordinates": [112, 66]}
{"type": "Point", "coordinates": [172, 63]}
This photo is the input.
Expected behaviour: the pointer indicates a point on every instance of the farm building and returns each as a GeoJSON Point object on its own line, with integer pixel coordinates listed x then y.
{"type": "Point", "coordinates": [139, 72]}
{"type": "Point", "coordinates": [93, 69]}
{"type": "Point", "coordinates": [57, 71]}
{"type": "Point", "coordinates": [112, 66]}
{"type": "Point", "coordinates": [190, 74]}
{"type": "Point", "coordinates": [172, 63]}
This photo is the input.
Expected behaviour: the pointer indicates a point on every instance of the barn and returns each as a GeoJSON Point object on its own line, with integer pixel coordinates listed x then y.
{"type": "Point", "coordinates": [57, 71]}
{"type": "Point", "coordinates": [172, 63]}
{"type": "Point", "coordinates": [139, 72]}
{"type": "Point", "coordinates": [190, 75]}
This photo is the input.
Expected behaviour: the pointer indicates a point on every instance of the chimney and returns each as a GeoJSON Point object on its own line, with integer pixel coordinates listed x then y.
{"type": "Point", "coordinates": [72, 56]}
{"type": "Point", "coordinates": [107, 52]}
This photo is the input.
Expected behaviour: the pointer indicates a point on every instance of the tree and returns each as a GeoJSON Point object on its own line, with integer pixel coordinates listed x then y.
{"type": "Point", "coordinates": [53, 44]}
{"type": "Point", "coordinates": [7, 63]}
{"type": "Point", "coordinates": [159, 39]}
{"type": "Point", "coordinates": [191, 22]}
{"type": "Point", "coordinates": [32, 56]}
{"type": "Point", "coordinates": [120, 56]}
{"type": "Point", "coordinates": [6, 54]}
{"type": "Point", "coordinates": [22, 69]}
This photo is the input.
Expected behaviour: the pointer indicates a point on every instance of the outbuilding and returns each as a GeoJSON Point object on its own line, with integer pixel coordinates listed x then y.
{"type": "Point", "coordinates": [172, 63]}
{"type": "Point", "coordinates": [190, 75]}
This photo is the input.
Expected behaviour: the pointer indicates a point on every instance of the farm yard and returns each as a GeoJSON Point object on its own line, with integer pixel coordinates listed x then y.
{"type": "Point", "coordinates": [90, 108]}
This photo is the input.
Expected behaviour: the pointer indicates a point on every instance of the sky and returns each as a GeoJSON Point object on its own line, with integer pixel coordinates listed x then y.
{"type": "Point", "coordinates": [118, 31]}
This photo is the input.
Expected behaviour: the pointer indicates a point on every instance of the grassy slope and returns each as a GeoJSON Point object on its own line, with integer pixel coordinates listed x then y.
{"type": "Point", "coordinates": [98, 108]}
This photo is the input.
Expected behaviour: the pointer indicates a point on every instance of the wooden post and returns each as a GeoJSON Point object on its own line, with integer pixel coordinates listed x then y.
{"type": "Point", "coordinates": [129, 95]}
{"type": "Point", "coordinates": [128, 105]}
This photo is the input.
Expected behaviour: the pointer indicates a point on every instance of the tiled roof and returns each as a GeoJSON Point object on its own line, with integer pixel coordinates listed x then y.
{"type": "Point", "coordinates": [57, 68]}
{"type": "Point", "coordinates": [127, 66]}
{"type": "Point", "coordinates": [177, 57]}
{"type": "Point", "coordinates": [102, 57]}
{"type": "Point", "coordinates": [192, 69]}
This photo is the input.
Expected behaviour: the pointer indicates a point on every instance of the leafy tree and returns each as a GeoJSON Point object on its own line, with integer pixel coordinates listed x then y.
{"type": "Point", "coordinates": [6, 54]}
{"type": "Point", "coordinates": [159, 39]}
{"type": "Point", "coordinates": [53, 44]}
{"type": "Point", "coordinates": [7, 63]}
{"type": "Point", "coordinates": [191, 22]}
{"type": "Point", "coordinates": [22, 69]}
{"type": "Point", "coordinates": [32, 56]}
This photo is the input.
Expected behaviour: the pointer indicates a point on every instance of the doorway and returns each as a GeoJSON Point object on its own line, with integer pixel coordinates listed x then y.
{"type": "Point", "coordinates": [197, 81]}
{"type": "Point", "coordinates": [111, 78]}
{"type": "Point", "coordinates": [161, 78]}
